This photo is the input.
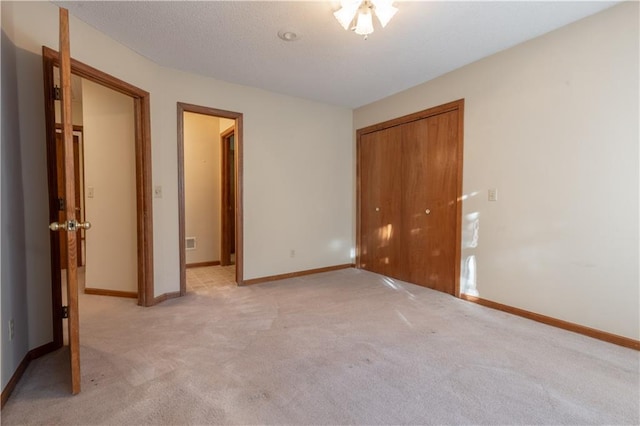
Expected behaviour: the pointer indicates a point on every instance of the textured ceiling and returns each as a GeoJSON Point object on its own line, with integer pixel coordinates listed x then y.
{"type": "Point", "coordinates": [236, 41]}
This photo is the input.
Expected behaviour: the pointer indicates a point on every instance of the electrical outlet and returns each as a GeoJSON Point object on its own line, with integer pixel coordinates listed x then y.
{"type": "Point", "coordinates": [493, 194]}
{"type": "Point", "coordinates": [157, 192]}
{"type": "Point", "coordinates": [292, 253]}
{"type": "Point", "coordinates": [12, 330]}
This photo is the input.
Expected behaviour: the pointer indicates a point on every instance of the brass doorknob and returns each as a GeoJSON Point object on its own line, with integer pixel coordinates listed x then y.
{"type": "Point", "coordinates": [427, 211]}
{"type": "Point", "coordinates": [55, 226]}
{"type": "Point", "coordinates": [71, 225]}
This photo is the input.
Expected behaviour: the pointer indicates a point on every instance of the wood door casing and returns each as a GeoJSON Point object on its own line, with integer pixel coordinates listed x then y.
{"type": "Point", "coordinates": [238, 172]}
{"type": "Point", "coordinates": [144, 200]}
{"type": "Point", "coordinates": [231, 210]}
{"type": "Point", "coordinates": [426, 150]}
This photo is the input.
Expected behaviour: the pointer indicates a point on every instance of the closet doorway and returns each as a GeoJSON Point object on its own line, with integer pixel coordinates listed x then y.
{"type": "Point", "coordinates": [210, 195]}
{"type": "Point", "coordinates": [410, 197]}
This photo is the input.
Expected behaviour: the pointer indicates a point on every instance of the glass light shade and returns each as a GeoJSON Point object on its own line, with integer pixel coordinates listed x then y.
{"type": "Point", "coordinates": [364, 25]}
{"type": "Point", "coordinates": [346, 13]}
{"type": "Point", "coordinates": [385, 12]}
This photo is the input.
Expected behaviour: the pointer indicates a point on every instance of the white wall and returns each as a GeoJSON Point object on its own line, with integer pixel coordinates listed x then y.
{"type": "Point", "coordinates": [202, 186]}
{"type": "Point", "coordinates": [297, 175]}
{"type": "Point", "coordinates": [13, 292]}
{"type": "Point", "coordinates": [553, 125]}
{"type": "Point", "coordinates": [31, 247]}
{"type": "Point", "coordinates": [297, 161]}
{"type": "Point", "coordinates": [110, 171]}
{"type": "Point", "coordinates": [226, 124]}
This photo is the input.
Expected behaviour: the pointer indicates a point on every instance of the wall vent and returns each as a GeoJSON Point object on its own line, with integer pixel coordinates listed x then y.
{"type": "Point", "coordinates": [190, 243]}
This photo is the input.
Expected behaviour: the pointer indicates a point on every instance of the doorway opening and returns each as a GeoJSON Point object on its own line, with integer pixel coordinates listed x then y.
{"type": "Point", "coordinates": [210, 195]}
{"type": "Point", "coordinates": [141, 180]}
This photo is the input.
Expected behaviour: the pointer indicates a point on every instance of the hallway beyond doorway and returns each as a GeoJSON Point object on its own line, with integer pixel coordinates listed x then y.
{"type": "Point", "coordinates": [209, 277]}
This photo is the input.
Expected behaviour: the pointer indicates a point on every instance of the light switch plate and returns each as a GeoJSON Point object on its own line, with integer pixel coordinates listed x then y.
{"type": "Point", "coordinates": [157, 192]}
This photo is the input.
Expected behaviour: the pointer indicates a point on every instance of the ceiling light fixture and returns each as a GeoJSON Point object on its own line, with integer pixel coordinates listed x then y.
{"type": "Point", "coordinates": [357, 15]}
{"type": "Point", "coordinates": [288, 35]}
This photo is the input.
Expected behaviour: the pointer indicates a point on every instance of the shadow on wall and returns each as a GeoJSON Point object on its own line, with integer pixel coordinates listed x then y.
{"type": "Point", "coordinates": [35, 192]}
{"type": "Point", "coordinates": [14, 243]}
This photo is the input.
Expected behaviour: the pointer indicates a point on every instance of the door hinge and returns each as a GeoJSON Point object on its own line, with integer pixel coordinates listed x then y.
{"type": "Point", "coordinates": [61, 204]}
{"type": "Point", "coordinates": [56, 93]}
{"type": "Point", "coordinates": [65, 312]}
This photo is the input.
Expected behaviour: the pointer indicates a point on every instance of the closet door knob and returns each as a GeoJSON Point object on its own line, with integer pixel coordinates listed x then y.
{"type": "Point", "coordinates": [377, 209]}
{"type": "Point", "coordinates": [427, 211]}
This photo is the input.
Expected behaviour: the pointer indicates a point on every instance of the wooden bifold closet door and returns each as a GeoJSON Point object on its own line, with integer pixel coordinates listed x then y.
{"type": "Point", "coordinates": [409, 192]}
{"type": "Point", "coordinates": [381, 201]}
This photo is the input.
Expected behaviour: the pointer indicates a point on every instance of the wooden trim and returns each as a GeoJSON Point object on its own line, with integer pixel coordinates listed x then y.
{"type": "Point", "coordinates": [114, 293]}
{"type": "Point", "coordinates": [75, 127]}
{"type": "Point", "coordinates": [182, 247]}
{"type": "Point", "coordinates": [144, 220]}
{"type": "Point", "coordinates": [297, 274]}
{"type": "Point", "coordinates": [225, 244]}
{"type": "Point", "coordinates": [358, 259]}
{"type": "Point", "coordinates": [22, 367]}
{"type": "Point", "coordinates": [144, 201]}
{"type": "Point", "coordinates": [239, 157]}
{"type": "Point", "coordinates": [202, 264]}
{"type": "Point", "coordinates": [448, 107]}
{"type": "Point", "coordinates": [42, 350]}
{"type": "Point", "coordinates": [86, 71]}
{"type": "Point", "coordinates": [569, 326]}
{"type": "Point", "coordinates": [15, 378]}
{"type": "Point", "coordinates": [166, 296]}
{"type": "Point", "coordinates": [460, 153]}
{"type": "Point", "coordinates": [451, 106]}
{"type": "Point", "coordinates": [237, 116]}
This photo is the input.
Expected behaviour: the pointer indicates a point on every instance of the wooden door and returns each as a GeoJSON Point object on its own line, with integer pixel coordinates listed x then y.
{"type": "Point", "coordinates": [409, 197]}
{"type": "Point", "coordinates": [228, 192]}
{"type": "Point", "coordinates": [429, 148]}
{"type": "Point", "coordinates": [380, 210]}
{"type": "Point", "coordinates": [70, 204]}
{"type": "Point", "coordinates": [60, 166]}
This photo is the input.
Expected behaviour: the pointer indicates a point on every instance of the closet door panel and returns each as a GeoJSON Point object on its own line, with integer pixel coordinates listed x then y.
{"type": "Point", "coordinates": [380, 208]}
{"type": "Point", "coordinates": [417, 226]}
{"type": "Point", "coordinates": [429, 201]}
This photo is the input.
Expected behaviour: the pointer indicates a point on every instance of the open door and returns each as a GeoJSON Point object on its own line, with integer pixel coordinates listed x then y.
{"type": "Point", "coordinates": [228, 204]}
{"type": "Point", "coordinates": [67, 224]}
{"type": "Point", "coordinates": [60, 164]}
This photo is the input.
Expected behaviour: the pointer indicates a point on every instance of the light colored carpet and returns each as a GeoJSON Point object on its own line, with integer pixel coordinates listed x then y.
{"type": "Point", "coordinates": [344, 347]}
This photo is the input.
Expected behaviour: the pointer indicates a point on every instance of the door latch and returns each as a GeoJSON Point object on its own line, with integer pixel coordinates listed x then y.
{"type": "Point", "coordinates": [70, 225]}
